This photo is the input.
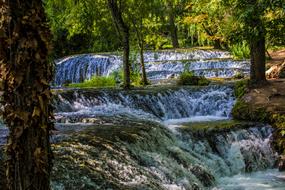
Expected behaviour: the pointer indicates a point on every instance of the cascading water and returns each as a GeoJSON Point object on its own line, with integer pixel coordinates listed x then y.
{"type": "Point", "coordinates": [197, 161]}
{"type": "Point", "coordinates": [159, 65]}
{"type": "Point", "coordinates": [208, 68]}
{"type": "Point", "coordinates": [180, 55]}
{"type": "Point", "coordinates": [77, 68]}
{"type": "Point", "coordinates": [164, 104]}
{"type": "Point", "coordinates": [127, 144]}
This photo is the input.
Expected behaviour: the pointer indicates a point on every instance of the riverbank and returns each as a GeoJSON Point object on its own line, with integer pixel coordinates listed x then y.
{"type": "Point", "coordinates": [266, 104]}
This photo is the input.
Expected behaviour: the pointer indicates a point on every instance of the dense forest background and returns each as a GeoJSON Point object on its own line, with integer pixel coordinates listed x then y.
{"type": "Point", "coordinates": [87, 26]}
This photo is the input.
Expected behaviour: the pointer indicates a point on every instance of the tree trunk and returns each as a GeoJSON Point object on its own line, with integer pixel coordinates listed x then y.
{"type": "Point", "coordinates": [123, 32]}
{"type": "Point", "coordinates": [140, 40]}
{"type": "Point", "coordinates": [172, 26]}
{"type": "Point", "coordinates": [257, 55]}
{"type": "Point", "coordinates": [217, 44]}
{"type": "Point", "coordinates": [144, 77]}
{"type": "Point", "coordinates": [25, 75]}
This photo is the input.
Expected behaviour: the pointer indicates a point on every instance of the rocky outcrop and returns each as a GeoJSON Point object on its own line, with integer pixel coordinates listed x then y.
{"type": "Point", "coordinates": [276, 71]}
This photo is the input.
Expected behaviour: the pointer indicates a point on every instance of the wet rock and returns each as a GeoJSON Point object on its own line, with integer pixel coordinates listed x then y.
{"type": "Point", "coordinates": [204, 176]}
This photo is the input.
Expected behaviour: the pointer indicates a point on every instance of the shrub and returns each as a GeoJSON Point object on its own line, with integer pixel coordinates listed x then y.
{"type": "Point", "coordinates": [188, 78]}
{"type": "Point", "coordinates": [135, 78]}
{"type": "Point", "coordinates": [240, 50]}
{"type": "Point", "coordinates": [239, 75]}
{"type": "Point", "coordinates": [96, 81]}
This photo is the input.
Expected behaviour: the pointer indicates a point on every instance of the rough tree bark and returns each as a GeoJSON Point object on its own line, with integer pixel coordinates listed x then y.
{"type": "Point", "coordinates": [172, 26]}
{"type": "Point", "coordinates": [123, 32]}
{"type": "Point", "coordinates": [257, 54]}
{"type": "Point", "coordinates": [25, 75]}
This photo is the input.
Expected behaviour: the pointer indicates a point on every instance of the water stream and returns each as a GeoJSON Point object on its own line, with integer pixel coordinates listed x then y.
{"type": "Point", "coordinates": [198, 161]}
{"type": "Point", "coordinates": [159, 65]}
{"type": "Point", "coordinates": [146, 138]}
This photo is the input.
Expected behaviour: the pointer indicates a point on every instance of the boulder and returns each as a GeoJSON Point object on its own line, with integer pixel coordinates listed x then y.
{"type": "Point", "coordinates": [276, 71]}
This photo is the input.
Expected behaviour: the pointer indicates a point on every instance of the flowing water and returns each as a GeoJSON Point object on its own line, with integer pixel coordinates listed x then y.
{"type": "Point", "coordinates": [148, 138]}
{"type": "Point", "coordinates": [262, 180]}
{"type": "Point", "coordinates": [143, 139]}
{"type": "Point", "coordinates": [158, 103]}
{"type": "Point", "coordinates": [159, 65]}
{"type": "Point", "coordinates": [198, 160]}
{"type": "Point", "coordinates": [80, 67]}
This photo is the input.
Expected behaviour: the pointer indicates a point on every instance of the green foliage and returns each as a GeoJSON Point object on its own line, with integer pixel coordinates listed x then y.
{"type": "Point", "coordinates": [188, 78]}
{"type": "Point", "coordinates": [81, 26]}
{"type": "Point", "coordinates": [240, 88]}
{"type": "Point", "coordinates": [96, 81]}
{"type": "Point", "coordinates": [86, 25]}
{"type": "Point", "coordinates": [136, 79]}
{"type": "Point", "coordinates": [240, 50]}
{"type": "Point", "coordinates": [239, 75]}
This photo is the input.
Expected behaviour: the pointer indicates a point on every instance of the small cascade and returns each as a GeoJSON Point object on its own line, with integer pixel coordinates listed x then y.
{"type": "Point", "coordinates": [124, 139]}
{"type": "Point", "coordinates": [160, 104]}
{"type": "Point", "coordinates": [187, 55]}
{"type": "Point", "coordinates": [137, 153]}
{"type": "Point", "coordinates": [78, 68]}
{"type": "Point", "coordinates": [159, 65]}
{"type": "Point", "coordinates": [234, 152]}
{"type": "Point", "coordinates": [208, 68]}
{"type": "Point", "coordinates": [137, 126]}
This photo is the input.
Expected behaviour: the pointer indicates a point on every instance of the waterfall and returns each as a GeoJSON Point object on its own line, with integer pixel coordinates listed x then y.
{"type": "Point", "coordinates": [197, 160]}
{"type": "Point", "coordinates": [77, 68]}
{"type": "Point", "coordinates": [147, 156]}
{"type": "Point", "coordinates": [208, 68]}
{"type": "Point", "coordinates": [160, 104]}
{"type": "Point", "coordinates": [126, 138]}
{"type": "Point", "coordinates": [186, 55]}
{"type": "Point", "coordinates": [159, 65]}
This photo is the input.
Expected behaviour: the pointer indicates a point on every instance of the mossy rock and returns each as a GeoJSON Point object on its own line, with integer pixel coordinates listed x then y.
{"type": "Point", "coordinates": [278, 122]}
{"type": "Point", "coordinates": [204, 129]}
{"type": "Point", "coordinates": [188, 78]}
{"type": "Point", "coordinates": [244, 111]}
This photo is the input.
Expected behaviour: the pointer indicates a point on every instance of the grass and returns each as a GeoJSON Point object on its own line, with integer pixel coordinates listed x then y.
{"type": "Point", "coordinates": [241, 88]}
{"type": "Point", "coordinates": [96, 81]}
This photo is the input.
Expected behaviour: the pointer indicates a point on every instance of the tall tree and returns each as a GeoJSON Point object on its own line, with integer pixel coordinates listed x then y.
{"type": "Point", "coordinates": [25, 75]}
{"type": "Point", "coordinates": [138, 12]}
{"type": "Point", "coordinates": [250, 15]}
{"type": "Point", "coordinates": [115, 7]}
{"type": "Point", "coordinates": [172, 27]}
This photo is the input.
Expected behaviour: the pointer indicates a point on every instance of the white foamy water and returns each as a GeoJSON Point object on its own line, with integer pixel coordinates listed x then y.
{"type": "Point", "coordinates": [211, 102]}
{"type": "Point", "coordinates": [159, 65]}
{"type": "Point", "coordinates": [262, 180]}
{"type": "Point", "coordinates": [78, 68]}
